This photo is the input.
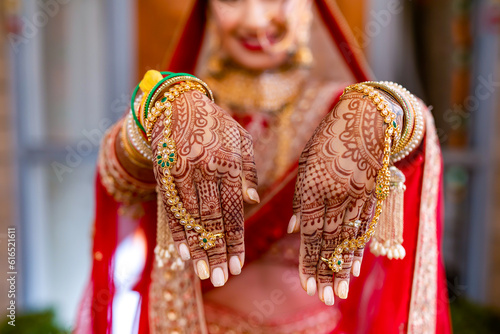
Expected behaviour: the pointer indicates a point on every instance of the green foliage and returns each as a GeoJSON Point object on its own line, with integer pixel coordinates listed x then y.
{"type": "Point", "coordinates": [469, 318]}
{"type": "Point", "coordinates": [33, 323]}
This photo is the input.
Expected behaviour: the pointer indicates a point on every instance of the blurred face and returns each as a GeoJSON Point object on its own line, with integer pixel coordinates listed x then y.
{"type": "Point", "coordinates": [258, 34]}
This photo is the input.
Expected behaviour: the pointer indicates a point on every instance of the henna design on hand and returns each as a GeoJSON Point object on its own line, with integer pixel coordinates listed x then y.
{"type": "Point", "coordinates": [336, 181]}
{"type": "Point", "coordinates": [214, 154]}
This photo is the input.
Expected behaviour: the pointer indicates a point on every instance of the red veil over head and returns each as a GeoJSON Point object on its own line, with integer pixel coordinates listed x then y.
{"type": "Point", "coordinates": [184, 55]}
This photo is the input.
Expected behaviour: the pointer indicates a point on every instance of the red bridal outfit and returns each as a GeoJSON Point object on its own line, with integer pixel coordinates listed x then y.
{"type": "Point", "coordinates": [390, 296]}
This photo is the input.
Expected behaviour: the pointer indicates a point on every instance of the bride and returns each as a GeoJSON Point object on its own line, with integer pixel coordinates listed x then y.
{"type": "Point", "coordinates": [274, 138]}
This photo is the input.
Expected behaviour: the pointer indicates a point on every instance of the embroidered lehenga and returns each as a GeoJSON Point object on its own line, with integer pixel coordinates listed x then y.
{"type": "Point", "coordinates": [391, 296]}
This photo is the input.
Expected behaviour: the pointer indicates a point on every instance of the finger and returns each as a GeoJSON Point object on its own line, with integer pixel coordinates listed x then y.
{"type": "Point", "coordinates": [366, 217]}
{"type": "Point", "coordinates": [311, 222]}
{"type": "Point", "coordinates": [348, 231]}
{"type": "Point", "coordinates": [311, 235]}
{"type": "Point", "coordinates": [293, 225]}
{"type": "Point", "coordinates": [179, 233]}
{"type": "Point", "coordinates": [211, 219]}
{"type": "Point", "coordinates": [231, 198]}
{"type": "Point", "coordinates": [189, 197]}
{"type": "Point", "coordinates": [249, 171]}
{"type": "Point", "coordinates": [333, 218]}
{"type": "Point", "coordinates": [177, 230]}
{"type": "Point", "coordinates": [357, 260]}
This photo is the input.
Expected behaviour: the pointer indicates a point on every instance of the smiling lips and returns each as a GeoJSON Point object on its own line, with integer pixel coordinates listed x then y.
{"type": "Point", "coordinates": [252, 43]}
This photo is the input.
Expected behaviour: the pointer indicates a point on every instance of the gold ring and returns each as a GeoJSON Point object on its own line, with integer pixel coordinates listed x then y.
{"type": "Point", "coordinates": [207, 239]}
{"type": "Point", "coordinates": [356, 223]}
{"type": "Point", "coordinates": [334, 262]}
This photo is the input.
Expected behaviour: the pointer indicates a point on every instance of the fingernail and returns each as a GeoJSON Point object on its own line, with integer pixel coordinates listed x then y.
{"type": "Point", "coordinates": [235, 265]}
{"type": "Point", "coordinates": [343, 289]}
{"type": "Point", "coordinates": [184, 252]}
{"type": "Point", "coordinates": [202, 268]}
{"type": "Point", "coordinates": [254, 196]}
{"type": "Point", "coordinates": [311, 286]}
{"type": "Point", "coordinates": [291, 224]}
{"type": "Point", "coordinates": [328, 295]}
{"type": "Point", "coordinates": [356, 267]}
{"type": "Point", "coordinates": [217, 277]}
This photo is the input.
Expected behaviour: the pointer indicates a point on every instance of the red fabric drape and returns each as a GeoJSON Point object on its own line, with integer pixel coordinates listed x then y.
{"type": "Point", "coordinates": [105, 243]}
{"type": "Point", "coordinates": [148, 225]}
{"type": "Point", "coordinates": [186, 52]}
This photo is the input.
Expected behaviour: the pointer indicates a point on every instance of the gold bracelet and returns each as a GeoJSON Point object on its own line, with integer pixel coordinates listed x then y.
{"type": "Point", "coordinates": [419, 127]}
{"type": "Point", "coordinates": [130, 151]}
{"type": "Point", "coordinates": [186, 83]}
{"type": "Point", "coordinates": [137, 140]}
{"type": "Point", "coordinates": [392, 133]}
{"type": "Point", "coordinates": [118, 183]}
{"type": "Point", "coordinates": [408, 119]}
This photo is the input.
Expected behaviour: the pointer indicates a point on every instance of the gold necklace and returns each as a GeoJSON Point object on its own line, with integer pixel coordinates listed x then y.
{"type": "Point", "coordinates": [242, 90]}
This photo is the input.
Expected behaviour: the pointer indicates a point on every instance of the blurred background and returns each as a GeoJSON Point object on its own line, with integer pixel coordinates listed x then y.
{"type": "Point", "coordinates": [67, 68]}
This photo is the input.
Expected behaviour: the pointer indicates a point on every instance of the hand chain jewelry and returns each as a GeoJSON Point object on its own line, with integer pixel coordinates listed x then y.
{"type": "Point", "coordinates": [167, 157]}
{"type": "Point", "coordinates": [392, 134]}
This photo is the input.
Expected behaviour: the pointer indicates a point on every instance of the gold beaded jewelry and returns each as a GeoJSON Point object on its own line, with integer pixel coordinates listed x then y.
{"type": "Point", "coordinates": [130, 150]}
{"type": "Point", "coordinates": [166, 155]}
{"type": "Point", "coordinates": [118, 183]}
{"type": "Point", "coordinates": [409, 118]}
{"type": "Point", "coordinates": [392, 134]}
{"type": "Point", "coordinates": [419, 125]}
{"type": "Point", "coordinates": [166, 159]}
{"type": "Point", "coordinates": [187, 83]}
{"type": "Point", "coordinates": [137, 139]}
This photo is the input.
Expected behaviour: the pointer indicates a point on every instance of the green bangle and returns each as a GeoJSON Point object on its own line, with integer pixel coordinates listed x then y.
{"type": "Point", "coordinates": [132, 106]}
{"type": "Point", "coordinates": [151, 93]}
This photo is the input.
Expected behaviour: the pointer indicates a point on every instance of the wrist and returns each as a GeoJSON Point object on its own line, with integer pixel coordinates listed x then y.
{"type": "Point", "coordinates": [411, 121]}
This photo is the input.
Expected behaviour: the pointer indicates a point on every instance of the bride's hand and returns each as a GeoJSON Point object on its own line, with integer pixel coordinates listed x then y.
{"type": "Point", "coordinates": [214, 174]}
{"type": "Point", "coordinates": [335, 189]}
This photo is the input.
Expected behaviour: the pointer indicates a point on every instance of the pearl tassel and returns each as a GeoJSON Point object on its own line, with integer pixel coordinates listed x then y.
{"type": "Point", "coordinates": [388, 238]}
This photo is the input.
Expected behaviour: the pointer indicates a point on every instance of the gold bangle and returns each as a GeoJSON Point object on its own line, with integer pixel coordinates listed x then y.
{"type": "Point", "coordinates": [182, 84]}
{"type": "Point", "coordinates": [135, 157]}
{"type": "Point", "coordinates": [408, 119]}
{"type": "Point", "coordinates": [419, 127]}
{"type": "Point", "coordinates": [118, 183]}
{"type": "Point", "coordinates": [137, 140]}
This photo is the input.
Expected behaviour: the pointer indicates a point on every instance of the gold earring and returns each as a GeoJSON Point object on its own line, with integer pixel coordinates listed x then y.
{"type": "Point", "coordinates": [303, 56]}
{"type": "Point", "coordinates": [215, 62]}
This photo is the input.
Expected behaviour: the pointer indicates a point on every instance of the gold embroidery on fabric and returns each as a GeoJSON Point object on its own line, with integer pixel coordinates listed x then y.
{"type": "Point", "coordinates": [175, 300]}
{"type": "Point", "coordinates": [423, 307]}
{"type": "Point", "coordinates": [314, 321]}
